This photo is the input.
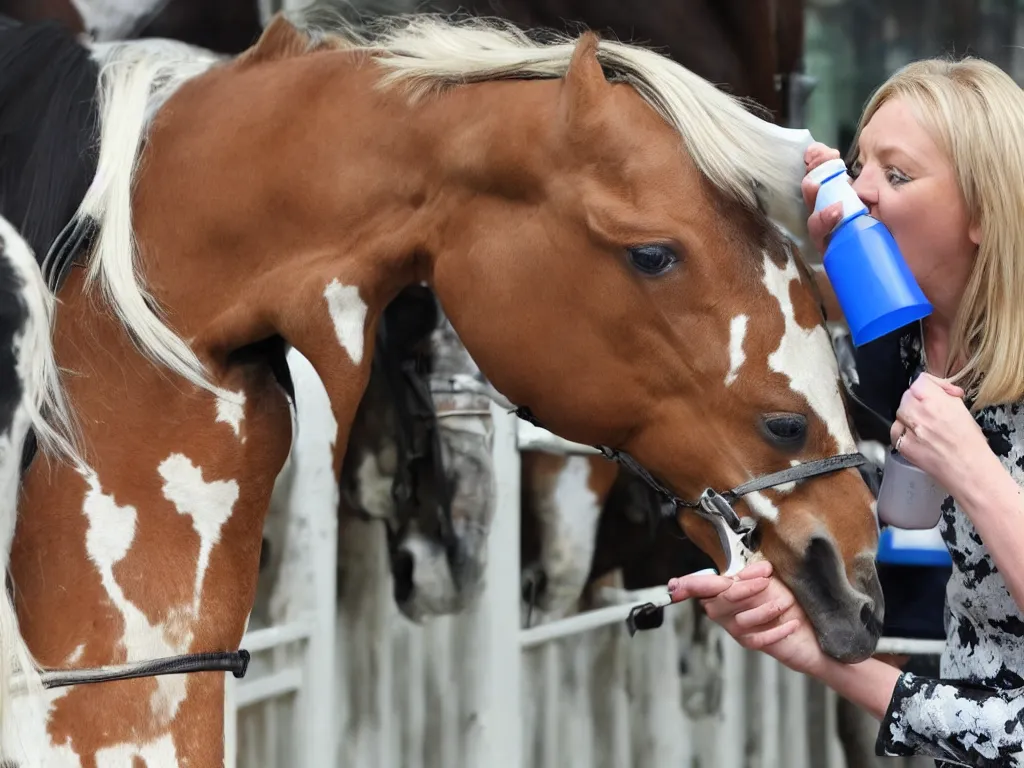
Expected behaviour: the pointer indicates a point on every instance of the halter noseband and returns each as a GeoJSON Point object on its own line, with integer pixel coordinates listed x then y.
{"type": "Point", "coordinates": [716, 507]}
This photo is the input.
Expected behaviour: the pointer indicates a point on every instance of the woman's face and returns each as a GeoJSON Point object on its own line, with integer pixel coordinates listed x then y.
{"type": "Point", "coordinates": [909, 184]}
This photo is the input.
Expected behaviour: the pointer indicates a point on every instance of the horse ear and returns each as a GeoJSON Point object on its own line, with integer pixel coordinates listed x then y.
{"type": "Point", "coordinates": [585, 82]}
{"type": "Point", "coordinates": [280, 40]}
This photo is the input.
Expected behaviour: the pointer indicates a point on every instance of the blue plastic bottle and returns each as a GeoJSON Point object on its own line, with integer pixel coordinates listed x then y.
{"type": "Point", "coordinates": [874, 286]}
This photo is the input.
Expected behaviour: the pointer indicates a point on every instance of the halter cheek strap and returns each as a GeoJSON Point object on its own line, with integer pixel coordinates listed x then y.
{"type": "Point", "coordinates": [733, 531]}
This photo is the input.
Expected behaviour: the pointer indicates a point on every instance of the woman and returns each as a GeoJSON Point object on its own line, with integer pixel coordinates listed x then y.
{"type": "Point", "coordinates": [939, 158]}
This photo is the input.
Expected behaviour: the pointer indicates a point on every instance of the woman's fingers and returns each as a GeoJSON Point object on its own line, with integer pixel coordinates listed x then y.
{"type": "Point", "coordinates": [741, 596]}
{"type": "Point", "coordinates": [757, 641]}
{"type": "Point", "coordinates": [821, 223]}
{"type": "Point", "coordinates": [765, 612]}
{"type": "Point", "coordinates": [816, 154]}
{"type": "Point", "coordinates": [741, 591]}
{"type": "Point", "coordinates": [700, 585]}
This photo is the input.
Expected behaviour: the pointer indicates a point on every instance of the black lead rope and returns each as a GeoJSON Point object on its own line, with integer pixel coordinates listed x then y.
{"type": "Point", "coordinates": [235, 662]}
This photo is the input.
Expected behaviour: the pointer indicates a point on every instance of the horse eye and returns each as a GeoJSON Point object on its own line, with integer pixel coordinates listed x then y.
{"type": "Point", "coordinates": [787, 429]}
{"type": "Point", "coordinates": [653, 260]}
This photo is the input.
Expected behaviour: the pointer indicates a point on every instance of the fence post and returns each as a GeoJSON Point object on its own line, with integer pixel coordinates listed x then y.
{"type": "Point", "coordinates": [495, 730]}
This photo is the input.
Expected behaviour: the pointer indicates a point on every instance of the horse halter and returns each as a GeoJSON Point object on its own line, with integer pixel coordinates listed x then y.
{"type": "Point", "coordinates": [734, 532]}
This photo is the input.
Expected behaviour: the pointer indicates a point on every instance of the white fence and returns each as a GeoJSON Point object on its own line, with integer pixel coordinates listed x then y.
{"type": "Point", "coordinates": [342, 679]}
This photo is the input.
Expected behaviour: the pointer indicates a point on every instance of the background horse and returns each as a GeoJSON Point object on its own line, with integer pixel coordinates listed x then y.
{"type": "Point", "coordinates": [419, 458]}
{"type": "Point", "coordinates": [226, 26]}
{"type": "Point", "coordinates": [674, 246]}
{"type": "Point", "coordinates": [30, 398]}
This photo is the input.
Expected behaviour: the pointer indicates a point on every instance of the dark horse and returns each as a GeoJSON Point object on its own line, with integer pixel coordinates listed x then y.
{"type": "Point", "coordinates": [751, 48]}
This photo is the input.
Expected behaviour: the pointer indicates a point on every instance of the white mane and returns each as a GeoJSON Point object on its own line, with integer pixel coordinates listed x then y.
{"type": "Point", "coordinates": [136, 78]}
{"type": "Point", "coordinates": [748, 158]}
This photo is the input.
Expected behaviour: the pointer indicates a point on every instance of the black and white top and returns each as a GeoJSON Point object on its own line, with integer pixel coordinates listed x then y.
{"type": "Point", "coordinates": [973, 714]}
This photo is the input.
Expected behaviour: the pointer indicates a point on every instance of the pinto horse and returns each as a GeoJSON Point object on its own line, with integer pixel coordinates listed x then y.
{"type": "Point", "coordinates": [30, 399]}
{"type": "Point", "coordinates": [593, 218]}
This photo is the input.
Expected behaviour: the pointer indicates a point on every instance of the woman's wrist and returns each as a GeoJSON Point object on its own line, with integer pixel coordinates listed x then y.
{"type": "Point", "coordinates": [868, 684]}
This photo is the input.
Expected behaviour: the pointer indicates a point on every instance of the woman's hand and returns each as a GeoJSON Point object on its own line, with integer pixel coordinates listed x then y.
{"type": "Point", "coordinates": [761, 614]}
{"type": "Point", "coordinates": [935, 432]}
{"type": "Point", "coordinates": [819, 223]}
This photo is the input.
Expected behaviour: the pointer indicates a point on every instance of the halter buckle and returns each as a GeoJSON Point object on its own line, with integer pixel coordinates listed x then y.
{"type": "Point", "coordinates": [732, 532]}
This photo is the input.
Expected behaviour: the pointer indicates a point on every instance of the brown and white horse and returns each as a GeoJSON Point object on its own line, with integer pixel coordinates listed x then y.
{"type": "Point", "coordinates": [588, 215]}
{"type": "Point", "coordinates": [30, 399]}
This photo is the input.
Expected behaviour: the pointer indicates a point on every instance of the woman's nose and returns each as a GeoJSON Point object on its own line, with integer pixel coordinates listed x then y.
{"type": "Point", "coordinates": [866, 189]}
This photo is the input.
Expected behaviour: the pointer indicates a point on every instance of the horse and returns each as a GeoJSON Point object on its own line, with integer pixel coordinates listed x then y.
{"type": "Point", "coordinates": [31, 402]}
{"type": "Point", "coordinates": [594, 220]}
{"type": "Point", "coordinates": [747, 47]}
{"type": "Point", "coordinates": [419, 457]}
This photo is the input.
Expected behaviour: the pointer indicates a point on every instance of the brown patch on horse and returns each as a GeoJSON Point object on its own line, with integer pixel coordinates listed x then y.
{"type": "Point", "coordinates": [602, 476]}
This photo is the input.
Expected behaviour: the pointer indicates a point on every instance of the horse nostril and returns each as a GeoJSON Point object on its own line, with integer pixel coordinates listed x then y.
{"type": "Point", "coordinates": [869, 618]}
{"type": "Point", "coordinates": [403, 564]}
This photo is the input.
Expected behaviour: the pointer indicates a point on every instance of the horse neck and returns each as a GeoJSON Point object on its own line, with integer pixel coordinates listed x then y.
{"type": "Point", "coordinates": [151, 553]}
{"type": "Point", "coordinates": [361, 188]}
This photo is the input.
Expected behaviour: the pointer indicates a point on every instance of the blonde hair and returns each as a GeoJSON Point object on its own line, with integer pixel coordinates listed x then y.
{"type": "Point", "coordinates": [975, 113]}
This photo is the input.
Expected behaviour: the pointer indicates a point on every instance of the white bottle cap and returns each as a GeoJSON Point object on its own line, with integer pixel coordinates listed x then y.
{"type": "Point", "coordinates": [836, 188]}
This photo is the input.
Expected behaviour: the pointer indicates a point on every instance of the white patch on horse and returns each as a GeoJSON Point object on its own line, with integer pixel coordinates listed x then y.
{"type": "Point", "coordinates": [434, 590]}
{"type": "Point", "coordinates": [27, 738]}
{"type": "Point", "coordinates": [107, 542]}
{"type": "Point", "coordinates": [373, 488]}
{"type": "Point", "coordinates": [348, 313]}
{"type": "Point", "coordinates": [231, 410]}
{"type": "Point", "coordinates": [159, 752]}
{"type": "Point", "coordinates": [737, 333]}
{"type": "Point", "coordinates": [791, 485]}
{"type": "Point", "coordinates": [568, 519]}
{"type": "Point", "coordinates": [75, 656]}
{"type": "Point", "coordinates": [806, 357]}
{"type": "Point", "coordinates": [762, 506]}
{"type": "Point", "coordinates": [209, 504]}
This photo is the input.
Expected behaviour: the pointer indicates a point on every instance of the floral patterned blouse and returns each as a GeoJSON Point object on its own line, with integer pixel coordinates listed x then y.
{"type": "Point", "coordinates": [974, 714]}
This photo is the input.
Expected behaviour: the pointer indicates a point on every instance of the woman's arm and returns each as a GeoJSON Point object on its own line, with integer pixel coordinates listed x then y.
{"type": "Point", "coordinates": [994, 502]}
{"type": "Point", "coordinates": [868, 684]}
{"type": "Point", "coordinates": [956, 721]}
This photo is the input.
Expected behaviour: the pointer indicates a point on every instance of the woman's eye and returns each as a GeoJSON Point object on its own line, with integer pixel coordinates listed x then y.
{"type": "Point", "coordinates": [854, 170]}
{"type": "Point", "coordinates": [896, 177]}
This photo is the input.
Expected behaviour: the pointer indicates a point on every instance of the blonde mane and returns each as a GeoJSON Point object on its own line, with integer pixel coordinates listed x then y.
{"type": "Point", "coordinates": [753, 161]}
